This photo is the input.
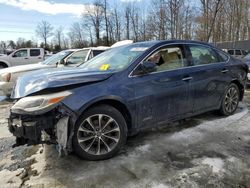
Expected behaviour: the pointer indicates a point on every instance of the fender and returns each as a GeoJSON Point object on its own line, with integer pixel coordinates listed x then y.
{"type": "Point", "coordinates": [102, 98]}
{"type": "Point", "coordinates": [5, 62]}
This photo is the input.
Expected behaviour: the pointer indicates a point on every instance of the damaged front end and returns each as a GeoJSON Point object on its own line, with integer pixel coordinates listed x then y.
{"type": "Point", "coordinates": [42, 119]}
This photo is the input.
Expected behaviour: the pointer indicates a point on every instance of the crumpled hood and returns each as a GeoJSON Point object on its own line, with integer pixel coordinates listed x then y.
{"type": "Point", "coordinates": [23, 68]}
{"type": "Point", "coordinates": [44, 79]}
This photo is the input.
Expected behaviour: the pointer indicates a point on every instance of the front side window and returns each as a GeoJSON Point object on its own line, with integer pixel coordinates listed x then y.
{"type": "Point", "coordinates": [222, 56]}
{"type": "Point", "coordinates": [168, 58]}
{"type": "Point", "coordinates": [56, 58]}
{"type": "Point", "coordinates": [203, 55]}
{"type": "Point", "coordinates": [34, 52]}
{"type": "Point", "coordinates": [78, 57]}
{"type": "Point", "coordinates": [231, 52]}
{"type": "Point", "coordinates": [21, 53]}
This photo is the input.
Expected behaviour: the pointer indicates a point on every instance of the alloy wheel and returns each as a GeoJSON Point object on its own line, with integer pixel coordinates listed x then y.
{"type": "Point", "coordinates": [98, 134]}
{"type": "Point", "coordinates": [231, 99]}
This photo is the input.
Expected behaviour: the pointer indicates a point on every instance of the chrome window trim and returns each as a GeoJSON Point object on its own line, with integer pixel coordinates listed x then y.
{"type": "Point", "coordinates": [228, 58]}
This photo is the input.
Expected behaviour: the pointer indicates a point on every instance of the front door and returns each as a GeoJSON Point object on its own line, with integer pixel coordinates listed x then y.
{"type": "Point", "coordinates": [20, 57]}
{"type": "Point", "coordinates": [163, 95]}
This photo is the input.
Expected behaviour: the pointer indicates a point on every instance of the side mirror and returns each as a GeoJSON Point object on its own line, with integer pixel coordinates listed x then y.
{"type": "Point", "coordinates": [14, 55]}
{"type": "Point", "coordinates": [62, 62]}
{"type": "Point", "coordinates": [145, 68]}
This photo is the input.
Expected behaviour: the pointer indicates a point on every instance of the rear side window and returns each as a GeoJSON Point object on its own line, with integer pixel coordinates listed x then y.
{"type": "Point", "coordinates": [97, 52]}
{"type": "Point", "coordinates": [34, 52]}
{"type": "Point", "coordinates": [203, 55]}
{"type": "Point", "coordinates": [237, 52]}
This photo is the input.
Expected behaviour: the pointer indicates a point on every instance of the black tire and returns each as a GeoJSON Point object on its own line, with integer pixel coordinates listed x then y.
{"type": "Point", "coordinates": [95, 148]}
{"type": "Point", "coordinates": [230, 97]}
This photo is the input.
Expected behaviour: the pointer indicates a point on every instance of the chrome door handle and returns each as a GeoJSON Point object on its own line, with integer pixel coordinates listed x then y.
{"type": "Point", "coordinates": [187, 78]}
{"type": "Point", "coordinates": [224, 71]}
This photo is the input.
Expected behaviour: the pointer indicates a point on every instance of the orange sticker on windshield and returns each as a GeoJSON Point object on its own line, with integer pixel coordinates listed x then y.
{"type": "Point", "coordinates": [104, 67]}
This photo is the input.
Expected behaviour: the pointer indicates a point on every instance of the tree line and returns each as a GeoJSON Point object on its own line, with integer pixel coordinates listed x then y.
{"type": "Point", "coordinates": [104, 23]}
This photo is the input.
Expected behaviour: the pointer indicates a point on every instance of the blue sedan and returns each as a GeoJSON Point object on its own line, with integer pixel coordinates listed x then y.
{"type": "Point", "coordinates": [92, 109]}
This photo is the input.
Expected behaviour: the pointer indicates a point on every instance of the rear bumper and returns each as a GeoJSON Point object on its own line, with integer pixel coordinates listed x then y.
{"type": "Point", "coordinates": [6, 88]}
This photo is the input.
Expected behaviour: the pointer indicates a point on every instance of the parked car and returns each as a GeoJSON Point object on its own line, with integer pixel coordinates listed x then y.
{"type": "Point", "coordinates": [22, 56]}
{"type": "Point", "coordinates": [246, 59]}
{"type": "Point", "coordinates": [238, 53]}
{"type": "Point", "coordinates": [92, 109]}
{"type": "Point", "coordinates": [67, 58]}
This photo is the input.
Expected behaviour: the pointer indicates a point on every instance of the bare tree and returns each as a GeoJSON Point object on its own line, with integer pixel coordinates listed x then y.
{"type": "Point", "coordinates": [105, 6]}
{"type": "Point", "coordinates": [95, 16]}
{"type": "Point", "coordinates": [127, 18]}
{"type": "Point", "coordinates": [44, 30]}
{"type": "Point", "coordinates": [210, 11]}
{"type": "Point", "coordinates": [76, 36]}
{"type": "Point", "coordinates": [59, 36]}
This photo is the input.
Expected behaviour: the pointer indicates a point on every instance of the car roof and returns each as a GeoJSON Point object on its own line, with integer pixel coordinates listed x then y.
{"type": "Point", "coordinates": [172, 41]}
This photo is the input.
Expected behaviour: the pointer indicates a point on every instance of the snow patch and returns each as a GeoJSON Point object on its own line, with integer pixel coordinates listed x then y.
{"type": "Point", "coordinates": [197, 133]}
{"type": "Point", "coordinates": [216, 164]}
{"type": "Point", "coordinates": [155, 185]}
{"type": "Point", "coordinates": [144, 148]}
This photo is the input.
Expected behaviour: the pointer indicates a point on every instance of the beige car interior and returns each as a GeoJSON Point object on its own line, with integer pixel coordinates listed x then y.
{"type": "Point", "coordinates": [169, 58]}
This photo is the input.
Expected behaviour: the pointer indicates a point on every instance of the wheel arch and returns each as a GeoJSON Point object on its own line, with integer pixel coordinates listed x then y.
{"type": "Point", "coordinates": [5, 64]}
{"type": "Point", "coordinates": [114, 102]}
{"type": "Point", "coordinates": [241, 88]}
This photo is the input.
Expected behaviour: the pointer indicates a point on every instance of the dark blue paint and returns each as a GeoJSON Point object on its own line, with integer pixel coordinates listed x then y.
{"type": "Point", "coordinates": [150, 99]}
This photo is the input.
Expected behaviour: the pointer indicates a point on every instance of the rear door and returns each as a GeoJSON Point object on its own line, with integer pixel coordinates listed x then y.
{"type": "Point", "coordinates": [164, 94]}
{"type": "Point", "coordinates": [209, 72]}
{"type": "Point", "coordinates": [35, 56]}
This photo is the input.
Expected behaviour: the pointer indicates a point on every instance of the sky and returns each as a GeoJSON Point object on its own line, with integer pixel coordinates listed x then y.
{"type": "Point", "coordinates": [19, 18]}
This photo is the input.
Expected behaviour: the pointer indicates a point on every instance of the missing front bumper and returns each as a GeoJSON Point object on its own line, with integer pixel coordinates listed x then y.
{"type": "Point", "coordinates": [54, 127]}
{"type": "Point", "coordinates": [30, 130]}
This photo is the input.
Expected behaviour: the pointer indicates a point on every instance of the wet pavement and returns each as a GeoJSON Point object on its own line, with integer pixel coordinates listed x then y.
{"type": "Point", "coordinates": [205, 151]}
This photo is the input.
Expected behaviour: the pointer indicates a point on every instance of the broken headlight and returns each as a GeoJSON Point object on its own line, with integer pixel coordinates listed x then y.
{"type": "Point", "coordinates": [39, 104]}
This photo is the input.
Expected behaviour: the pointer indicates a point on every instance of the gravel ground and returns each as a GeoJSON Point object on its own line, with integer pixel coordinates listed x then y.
{"type": "Point", "coordinates": [205, 151]}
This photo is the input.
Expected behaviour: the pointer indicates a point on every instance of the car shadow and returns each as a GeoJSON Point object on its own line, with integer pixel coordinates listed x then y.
{"type": "Point", "coordinates": [148, 152]}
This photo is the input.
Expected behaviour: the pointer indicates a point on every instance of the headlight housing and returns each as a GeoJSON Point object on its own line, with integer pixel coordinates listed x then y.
{"type": "Point", "coordinates": [5, 77]}
{"type": "Point", "coordinates": [40, 104]}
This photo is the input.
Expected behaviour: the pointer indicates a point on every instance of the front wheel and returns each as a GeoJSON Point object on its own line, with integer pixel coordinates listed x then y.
{"type": "Point", "coordinates": [100, 133]}
{"type": "Point", "coordinates": [230, 100]}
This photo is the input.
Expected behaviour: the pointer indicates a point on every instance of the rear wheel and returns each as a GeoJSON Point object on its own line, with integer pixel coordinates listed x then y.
{"type": "Point", "coordinates": [2, 66]}
{"type": "Point", "coordinates": [100, 133]}
{"type": "Point", "coordinates": [230, 100]}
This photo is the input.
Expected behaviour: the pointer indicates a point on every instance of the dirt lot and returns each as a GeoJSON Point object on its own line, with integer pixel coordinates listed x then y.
{"type": "Point", "coordinates": [205, 151]}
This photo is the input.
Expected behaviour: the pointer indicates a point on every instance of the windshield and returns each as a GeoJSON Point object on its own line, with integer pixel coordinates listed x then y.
{"type": "Point", "coordinates": [116, 59]}
{"type": "Point", "coordinates": [56, 57]}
